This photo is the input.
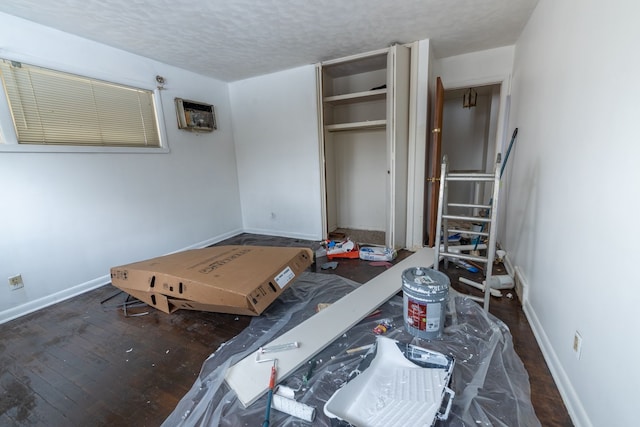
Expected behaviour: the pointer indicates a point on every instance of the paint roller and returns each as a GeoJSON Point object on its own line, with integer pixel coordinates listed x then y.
{"type": "Point", "coordinates": [284, 402]}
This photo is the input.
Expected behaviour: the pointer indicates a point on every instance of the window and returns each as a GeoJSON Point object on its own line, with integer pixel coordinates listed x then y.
{"type": "Point", "coordinates": [54, 108]}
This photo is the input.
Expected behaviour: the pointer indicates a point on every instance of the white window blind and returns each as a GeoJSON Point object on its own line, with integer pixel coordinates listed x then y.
{"type": "Point", "coordinates": [53, 107]}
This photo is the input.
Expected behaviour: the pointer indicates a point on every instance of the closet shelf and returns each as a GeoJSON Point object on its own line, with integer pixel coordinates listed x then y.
{"type": "Point", "coordinates": [369, 124]}
{"type": "Point", "coordinates": [349, 98]}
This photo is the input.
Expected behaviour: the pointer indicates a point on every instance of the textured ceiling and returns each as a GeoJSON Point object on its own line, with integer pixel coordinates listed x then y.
{"type": "Point", "coordinates": [235, 39]}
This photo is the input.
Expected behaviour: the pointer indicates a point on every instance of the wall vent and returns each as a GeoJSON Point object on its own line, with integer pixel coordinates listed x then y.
{"type": "Point", "coordinates": [520, 285]}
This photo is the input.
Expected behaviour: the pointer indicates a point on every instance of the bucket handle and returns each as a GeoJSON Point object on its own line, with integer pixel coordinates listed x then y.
{"type": "Point", "coordinates": [451, 394]}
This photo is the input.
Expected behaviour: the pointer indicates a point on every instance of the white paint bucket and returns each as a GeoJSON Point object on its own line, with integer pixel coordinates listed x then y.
{"type": "Point", "coordinates": [425, 296]}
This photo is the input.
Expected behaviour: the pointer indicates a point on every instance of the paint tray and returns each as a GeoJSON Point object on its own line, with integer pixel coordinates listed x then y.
{"type": "Point", "coordinates": [404, 385]}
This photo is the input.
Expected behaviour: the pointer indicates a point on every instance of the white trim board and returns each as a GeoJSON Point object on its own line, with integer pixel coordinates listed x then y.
{"type": "Point", "coordinates": [283, 233]}
{"type": "Point", "coordinates": [65, 294]}
{"type": "Point", "coordinates": [40, 303]}
{"type": "Point", "coordinates": [570, 397]}
{"type": "Point", "coordinates": [250, 379]}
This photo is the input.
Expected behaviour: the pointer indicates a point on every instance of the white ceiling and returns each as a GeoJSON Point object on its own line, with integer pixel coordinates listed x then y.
{"type": "Point", "coordinates": [235, 39]}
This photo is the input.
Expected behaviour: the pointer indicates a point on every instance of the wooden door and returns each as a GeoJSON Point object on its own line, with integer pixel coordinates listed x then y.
{"type": "Point", "coordinates": [435, 161]}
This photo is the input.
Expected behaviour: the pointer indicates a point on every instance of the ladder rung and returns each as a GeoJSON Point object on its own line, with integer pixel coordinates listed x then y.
{"type": "Point", "coordinates": [472, 174]}
{"type": "Point", "coordinates": [466, 218]}
{"type": "Point", "coordinates": [481, 177]}
{"type": "Point", "coordinates": [475, 233]}
{"type": "Point", "coordinates": [464, 256]}
{"type": "Point", "coordinates": [468, 178]}
{"type": "Point", "coordinates": [468, 205]}
{"type": "Point", "coordinates": [471, 212]}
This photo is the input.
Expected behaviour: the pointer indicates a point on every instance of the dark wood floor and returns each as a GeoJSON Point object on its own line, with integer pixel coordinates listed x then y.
{"type": "Point", "coordinates": [544, 394]}
{"type": "Point", "coordinates": [83, 363]}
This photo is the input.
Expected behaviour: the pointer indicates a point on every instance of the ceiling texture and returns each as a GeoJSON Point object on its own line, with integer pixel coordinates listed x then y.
{"type": "Point", "coordinates": [236, 39]}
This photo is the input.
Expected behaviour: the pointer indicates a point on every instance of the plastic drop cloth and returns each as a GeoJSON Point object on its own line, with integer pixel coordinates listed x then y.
{"type": "Point", "coordinates": [489, 379]}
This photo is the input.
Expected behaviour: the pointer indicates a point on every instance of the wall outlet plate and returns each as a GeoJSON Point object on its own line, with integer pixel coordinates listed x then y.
{"type": "Point", "coordinates": [15, 282]}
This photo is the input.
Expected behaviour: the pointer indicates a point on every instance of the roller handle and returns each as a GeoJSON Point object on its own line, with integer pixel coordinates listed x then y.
{"type": "Point", "coordinates": [272, 386]}
{"type": "Point", "coordinates": [272, 378]}
{"type": "Point", "coordinates": [267, 414]}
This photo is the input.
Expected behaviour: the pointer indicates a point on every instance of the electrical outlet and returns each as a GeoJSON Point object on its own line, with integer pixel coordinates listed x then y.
{"type": "Point", "coordinates": [15, 282]}
{"type": "Point", "coordinates": [577, 344]}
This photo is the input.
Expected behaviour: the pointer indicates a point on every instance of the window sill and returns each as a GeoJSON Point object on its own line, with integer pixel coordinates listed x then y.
{"type": "Point", "coordinates": [29, 148]}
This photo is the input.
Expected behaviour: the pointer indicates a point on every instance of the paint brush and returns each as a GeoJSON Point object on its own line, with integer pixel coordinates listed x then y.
{"type": "Point", "coordinates": [272, 386]}
{"type": "Point", "coordinates": [357, 349]}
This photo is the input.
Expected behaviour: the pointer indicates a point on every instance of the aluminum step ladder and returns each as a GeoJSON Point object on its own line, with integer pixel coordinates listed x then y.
{"type": "Point", "coordinates": [487, 221]}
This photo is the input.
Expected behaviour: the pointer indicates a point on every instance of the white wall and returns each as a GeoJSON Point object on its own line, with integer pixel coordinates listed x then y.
{"type": "Point", "coordinates": [492, 66]}
{"type": "Point", "coordinates": [464, 133]}
{"type": "Point", "coordinates": [466, 141]}
{"type": "Point", "coordinates": [68, 217]}
{"type": "Point", "coordinates": [573, 201]}
{"type": "Point", "coordinates": [276, 135]}
{"type": "Point", "coordinates": [360, 160]}
{"type": "Point", "coordinates": [476, 68]}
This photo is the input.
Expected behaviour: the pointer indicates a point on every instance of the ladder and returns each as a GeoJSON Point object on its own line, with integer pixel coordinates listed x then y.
{"type": "Point", "coordinates": [488, 221]}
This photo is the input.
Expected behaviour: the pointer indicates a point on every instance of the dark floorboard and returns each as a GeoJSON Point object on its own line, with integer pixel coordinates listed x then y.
{"type": "Point", "coordinates": [545, 397]}
{"type": "Point", "coordinates": [83, 363]}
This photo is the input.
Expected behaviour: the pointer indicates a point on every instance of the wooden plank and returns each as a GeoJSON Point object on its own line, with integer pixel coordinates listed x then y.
{"type": "Point", "coordinates": [348, 98]}
{"type": "Point", "coordinates": [369, 124]}
{"type": "Point", "coordinates": [250, 379]}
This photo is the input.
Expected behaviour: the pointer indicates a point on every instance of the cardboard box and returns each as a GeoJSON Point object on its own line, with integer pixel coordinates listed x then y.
{"type": "Point", "coordinates": [225, 279]}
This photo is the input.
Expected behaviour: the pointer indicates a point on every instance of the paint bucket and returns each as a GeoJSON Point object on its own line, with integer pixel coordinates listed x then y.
{"type": "Point", "coordinates": [425, 296]}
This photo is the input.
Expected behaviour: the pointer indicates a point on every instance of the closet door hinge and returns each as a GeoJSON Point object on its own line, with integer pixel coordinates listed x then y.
{"type": "Point", "coordinates": [433, 179]}
{"type": "Point", "coordinates": [436, 130]}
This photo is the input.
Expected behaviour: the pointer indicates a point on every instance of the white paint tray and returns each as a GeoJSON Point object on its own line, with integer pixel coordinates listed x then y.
{"type": "Point", "coordinates": [394, 391]}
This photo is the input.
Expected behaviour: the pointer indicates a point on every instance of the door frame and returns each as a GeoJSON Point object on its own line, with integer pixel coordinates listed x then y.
{"type": "Point", "coordinates": [435, 152]}
{"type": "Point", "coordinates": [394, 217]}
{"type": "Point", "coordinates": [501, 132]}
{"type": "Point", "coordinates": [321, 154]}
{"type": "Point", "coordinates": [322, 134]}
